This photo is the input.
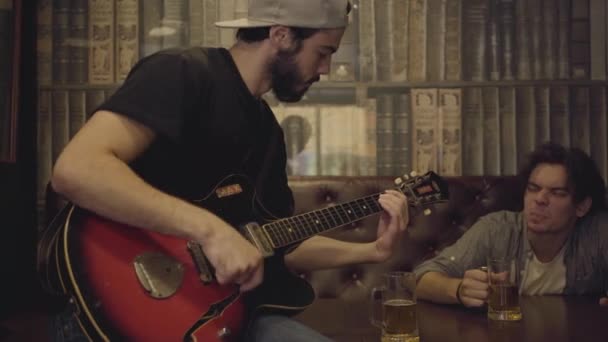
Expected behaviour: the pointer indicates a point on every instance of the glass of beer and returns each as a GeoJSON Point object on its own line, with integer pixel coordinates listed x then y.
{"type": "Point", "coordinates": [503, 301]}
{"type": "Point", "coordinates": [394, 307]}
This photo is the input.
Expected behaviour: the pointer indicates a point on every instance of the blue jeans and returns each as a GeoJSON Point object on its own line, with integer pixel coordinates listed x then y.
{"type": "Point", "coordinates": [264, 328]}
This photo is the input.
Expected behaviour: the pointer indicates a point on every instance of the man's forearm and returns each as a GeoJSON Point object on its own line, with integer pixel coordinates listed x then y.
{"type": "Point", "coordinates": [108, 187]}
{"type": "Point", "coordinates": [438, 287]}
{"type": "Point", "coordinates": [320, 252]}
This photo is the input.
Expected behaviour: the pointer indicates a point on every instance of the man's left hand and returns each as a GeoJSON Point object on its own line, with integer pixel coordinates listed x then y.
{"type": "Point", "coordinates": [393, 222]}
{"type": "Point", "coordinates": [604, 300]}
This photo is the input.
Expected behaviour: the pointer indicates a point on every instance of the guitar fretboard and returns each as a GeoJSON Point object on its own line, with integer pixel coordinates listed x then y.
{"type": "Point", "coordinates": [300, 227]}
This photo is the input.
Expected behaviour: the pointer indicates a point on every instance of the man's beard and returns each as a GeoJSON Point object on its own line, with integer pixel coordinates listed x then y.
{"type": "Point", "coordinates": [286, 77]}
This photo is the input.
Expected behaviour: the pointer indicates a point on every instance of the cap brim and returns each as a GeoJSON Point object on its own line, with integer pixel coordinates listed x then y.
{"type": "Point", "coordinates": [243, 22]}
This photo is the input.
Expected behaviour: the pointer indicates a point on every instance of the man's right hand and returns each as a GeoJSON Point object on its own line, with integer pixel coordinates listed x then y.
{"type": "Point", "coordinates": [234, 258]}
{"type": "Point", "coordinates": [474, 289]}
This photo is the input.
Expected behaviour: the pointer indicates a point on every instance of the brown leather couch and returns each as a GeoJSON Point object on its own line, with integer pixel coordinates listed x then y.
{"type": "Point", "coordinates": [341, 309]}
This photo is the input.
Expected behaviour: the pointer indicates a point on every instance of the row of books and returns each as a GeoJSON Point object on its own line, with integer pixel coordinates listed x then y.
{"type": "Point", "coordinates": [479, 40]}
{"type": "Point", "coordinates": [98, 41]}
{"type": "Point", "coordinates": [454, 131]}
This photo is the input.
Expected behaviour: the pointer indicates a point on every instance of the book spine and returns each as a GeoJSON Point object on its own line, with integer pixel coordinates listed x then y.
{"type": "Point", "coordinates": [508, 131]}
{"type": "Point", "coordinates": [384, 133]}
{"type": "Point", "coordinates": [559, 115]}
{"type": "Point", "coordinates": [424, 129]}
{"type": "Point", "coordinates": [101, 41]}
{"type": "Point", "coordinates": [61, 44]}
{"type": "Point", "coordinates": [417, 54]}
{"type": "Point", "coordinates": [491, 132]}
{"type": "Point", "coordinates": [453, 40]}
{"type": "Point", "coordinates": [472, 127]}
{"type": "Point", "coordinates": [435, 35]}
{"type": "Point", "coordinates": [127, 38]}
{"type": "Point", "coordinates": [78, 51]}
{"type": "Point", "coordinates": [526, 122]}
{"type": "Point", "coordinates": [450, 137]}
{"type": "Point", "coordinates": [402, 136]}
{"type": "Point", "coordinates": [44, 43]}
{"type": "Point", "coordinates": [367, 41]}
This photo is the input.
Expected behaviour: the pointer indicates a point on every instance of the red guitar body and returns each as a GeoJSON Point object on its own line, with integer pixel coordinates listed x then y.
{"type": "Point", "coordinates": [106, 252]}
{"type": "Point", "coordinates": [135, 284]}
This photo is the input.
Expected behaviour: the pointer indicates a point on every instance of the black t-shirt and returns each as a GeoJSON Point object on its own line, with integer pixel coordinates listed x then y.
{"type": "Point", "coordinates": [208, 126]}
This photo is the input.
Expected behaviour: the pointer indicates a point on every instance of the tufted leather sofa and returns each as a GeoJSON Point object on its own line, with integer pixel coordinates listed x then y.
{"type": "Point", "coordinates": [341, 309]}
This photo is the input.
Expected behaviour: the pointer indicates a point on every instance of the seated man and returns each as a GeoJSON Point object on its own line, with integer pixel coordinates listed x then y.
{"type": "Point", "coordinates": [560, 239]}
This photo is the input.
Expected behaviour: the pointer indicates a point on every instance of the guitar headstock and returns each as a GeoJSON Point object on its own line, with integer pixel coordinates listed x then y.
{"type": "Point", "coordinates": [423, 190]}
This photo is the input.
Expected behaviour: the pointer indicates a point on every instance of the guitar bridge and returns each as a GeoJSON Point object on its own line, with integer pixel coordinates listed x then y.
{"type": "Point", "coordinates": [256, 235]}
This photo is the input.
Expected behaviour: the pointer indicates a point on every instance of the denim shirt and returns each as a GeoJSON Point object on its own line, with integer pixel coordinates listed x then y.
{"type": "Point", "coordinates": [503, 233]}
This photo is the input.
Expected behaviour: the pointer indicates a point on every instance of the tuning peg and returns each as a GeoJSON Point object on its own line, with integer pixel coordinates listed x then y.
{"type": "Point", "coordinates": [398, 181]}
{"type": "Point", "coordinates": [413, 173]}
{"type": "Point", "coordinates": [427, 212]}
{"type": "Point", "coordinates": [406, 176]}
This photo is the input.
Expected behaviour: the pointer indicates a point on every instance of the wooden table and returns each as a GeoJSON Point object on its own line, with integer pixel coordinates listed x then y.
{"type": "Point", "coordinates": [545, 318]}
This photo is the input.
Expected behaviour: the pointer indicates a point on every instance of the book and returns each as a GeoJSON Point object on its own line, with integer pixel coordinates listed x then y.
{"type": "Point", "coordinates": [453, 40]}
{"type": "Point", "coordinates": [436, 35]}
{"type": "Point", "coordinates": [491, 132]}
{"type": "Point", "coordinates": [508, 131]}
{"type": "Point", "coordinates": [402, 136]}
{"type": "Point", "coordinates": [424, 129]}
{"type": "Point", "coordinates": [61, 42]}
{"type": "Point", "coordinates": [44, 151]}
{"type": "Point", "coordinates": [597, 22]}
{"type": "Point", "coordinates": [367, 41]}
{"type": "Point", "coordinates": [580, 123]}
{"type": "Point", "coordinates": [523, 57]}
{"type": "Point", "coordinates": [598, 130]}
{"type": "Point", "coordinates": [543, 124]}
{"type": "Point", "coordinates": [77, 42]}
{"type": "Point", "coordinates": [417, 34]}
{"type": "Point", "coordinates": [77, 111]}
{"type": "Point", "coordinates": [580, 49]}
{"type": "Point", "coordinates": [60, 121]}
{"type": "Point", "coordinates": [127, 37]}
{"type": "Point", "coordinates": [385, 109]}
{"type": "Point", "coordinates": [101, 41]}
{"type": "Point", "coordinates": [563, 39]}
{"type": "Point", "coordinates": [525, 109]}
{"type": "Point", "coordinates": [474, 22]}
{"type": "Point", "coordinates": [450, 128]}
{"type": "Point", "coordinates": [472, 132]}
{"type": "Point", "coordinates": [507, 35]}
{"type": "Point", "coordinates": [559, 106]}
{"type": "Point", "coordinates": [369, 161]}
{"type": "Point", "coordinates": [44, 43]}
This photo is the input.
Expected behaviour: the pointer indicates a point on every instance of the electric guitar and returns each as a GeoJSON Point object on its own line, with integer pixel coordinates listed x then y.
{"type": "Point", "coordinates": [136, 284]}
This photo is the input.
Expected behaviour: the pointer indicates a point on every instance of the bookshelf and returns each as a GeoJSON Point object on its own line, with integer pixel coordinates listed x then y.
{"type": "Point", "coordinates": [463, 87]}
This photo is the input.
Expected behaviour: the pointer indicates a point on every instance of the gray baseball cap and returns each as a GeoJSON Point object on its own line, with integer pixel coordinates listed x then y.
{"type": "Point", "coordinates": [295, 13]}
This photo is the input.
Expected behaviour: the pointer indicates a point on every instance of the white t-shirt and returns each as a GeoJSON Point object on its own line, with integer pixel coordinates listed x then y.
{"type": "Point", "coordinates": [544, 278]}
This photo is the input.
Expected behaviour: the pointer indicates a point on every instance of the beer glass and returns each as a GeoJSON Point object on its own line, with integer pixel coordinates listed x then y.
{"type": "Point", "coordinates": [394, 307]}
{"type": "Point", "coordinates": [503, 278]}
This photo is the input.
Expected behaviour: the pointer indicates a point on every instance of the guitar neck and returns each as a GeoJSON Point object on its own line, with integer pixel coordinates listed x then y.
{"type": "Point", "coordinates": [301, 227]}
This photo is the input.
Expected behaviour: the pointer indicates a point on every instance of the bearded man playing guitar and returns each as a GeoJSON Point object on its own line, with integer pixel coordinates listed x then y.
{"type": "Point", "coordinates": [183, 121]}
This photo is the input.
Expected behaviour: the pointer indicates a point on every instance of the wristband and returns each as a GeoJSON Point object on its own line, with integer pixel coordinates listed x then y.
{"type": "Point", "coordinates": [458, 293]}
